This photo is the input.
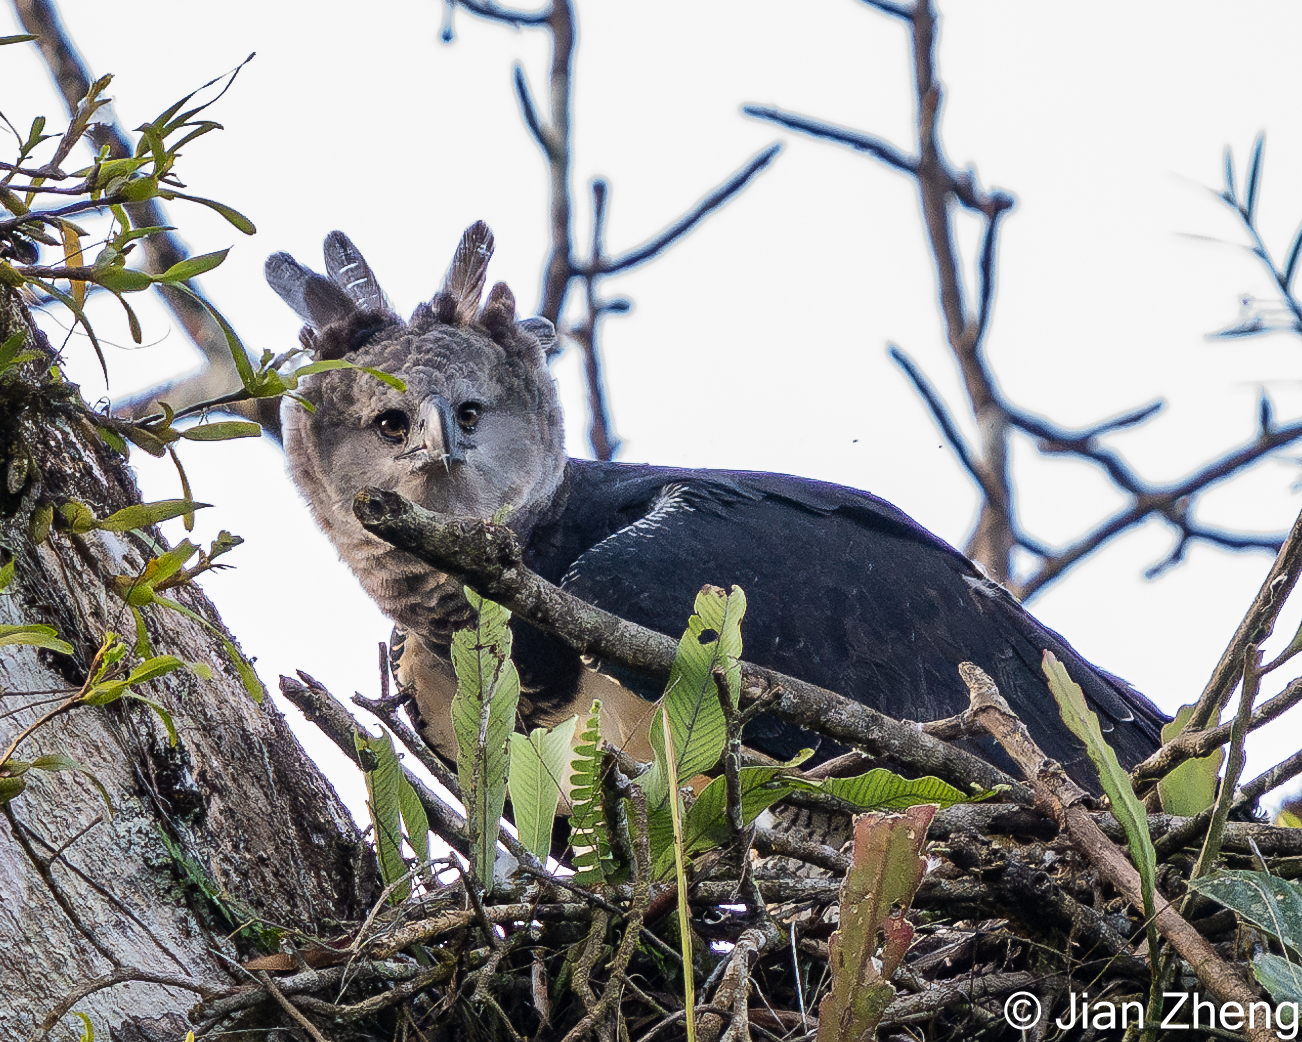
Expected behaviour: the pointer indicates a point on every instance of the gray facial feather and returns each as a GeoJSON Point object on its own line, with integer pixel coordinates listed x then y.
{"type": "Point", "coordinates": [482, 388]}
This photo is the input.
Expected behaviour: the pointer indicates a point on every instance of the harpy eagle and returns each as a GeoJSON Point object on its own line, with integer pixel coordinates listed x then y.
{"type": "Point", "coordinates": [845, 590]}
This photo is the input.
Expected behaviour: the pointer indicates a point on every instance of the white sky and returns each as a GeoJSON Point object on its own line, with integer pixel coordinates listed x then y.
{"type": "Point", "coordinates": [760, 341]}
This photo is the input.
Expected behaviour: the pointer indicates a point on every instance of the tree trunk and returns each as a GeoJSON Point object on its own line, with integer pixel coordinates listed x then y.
{"type": "Point", "coordinates": [232, 828]}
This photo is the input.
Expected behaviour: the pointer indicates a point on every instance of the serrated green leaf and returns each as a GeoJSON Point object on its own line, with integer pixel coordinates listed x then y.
{"type": "Point", "coordinates": [383, 772]}
{"type": "Point", "coordinates": [483, 717]}
{"type": "Point", "coordinates": [696, 721]}
{"type": "Point", "coordinates": [192, 267]}
{"type": "Point", "coordinates": [881, 789]}
{"type": "Point", "coordinates": [539, 762]}
{"type": "Point", "coordinates": [872, 936]}
{"type": "Point", "coordinates": [222, 430]}
{"type": "Point", "coordinates": [594, 861]}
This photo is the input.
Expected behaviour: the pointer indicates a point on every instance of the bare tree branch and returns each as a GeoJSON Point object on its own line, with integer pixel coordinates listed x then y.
{"type": "Point", "coordinates": [486, 556]}
{"type": "Point", "coordinates": [496, 13]}
{"type": "Point", "coordinates": [720, 195]}
{"type": "Point", "coordinates": [998, 532]}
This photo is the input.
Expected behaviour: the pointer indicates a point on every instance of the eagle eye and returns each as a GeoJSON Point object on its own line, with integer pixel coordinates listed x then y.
{"type": "Point", "coordinates": [468, 415]}
{"type": "Point", "coordinates": [393, 425]}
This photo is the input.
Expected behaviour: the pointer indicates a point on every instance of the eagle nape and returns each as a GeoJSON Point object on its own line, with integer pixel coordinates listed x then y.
{"type": "Point", "coordinates": [846, 591]}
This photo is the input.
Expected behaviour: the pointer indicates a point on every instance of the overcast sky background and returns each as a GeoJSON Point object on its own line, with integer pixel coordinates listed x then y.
{"type": "Point", "coordinates": [760, 341]}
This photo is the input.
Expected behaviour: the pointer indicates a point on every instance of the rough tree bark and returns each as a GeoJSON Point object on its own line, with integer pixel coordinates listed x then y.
{"type": "Point", "coordinates": [90, 900]}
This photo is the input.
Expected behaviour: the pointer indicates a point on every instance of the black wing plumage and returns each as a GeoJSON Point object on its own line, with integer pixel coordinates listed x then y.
{"type": "Point", "coordinates": [844, 590]}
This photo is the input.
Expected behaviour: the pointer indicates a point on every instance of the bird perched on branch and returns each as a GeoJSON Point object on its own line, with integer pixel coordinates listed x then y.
{"type": "Point", "coordinates": [844, 590]}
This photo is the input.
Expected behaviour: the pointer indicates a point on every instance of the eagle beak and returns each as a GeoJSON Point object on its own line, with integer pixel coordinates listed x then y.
{"type": "Point", "coordinates": [436, 434]}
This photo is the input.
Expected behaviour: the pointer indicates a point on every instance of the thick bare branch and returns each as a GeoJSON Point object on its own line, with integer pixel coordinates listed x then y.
{"type": "Point", "coordinates": [486, 556]}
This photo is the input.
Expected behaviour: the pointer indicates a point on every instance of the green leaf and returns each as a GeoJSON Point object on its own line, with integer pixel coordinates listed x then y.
{"type": "Point", "coordinates": [35, 635]}
{"type": "Point", "coordinates": [153, 668]}
{"type": "Point", "coordinates": [166, 565]}
{"type": "Point", "coordinates": [1267, 902]}
{"type": "Point", "coordinates": [131, 234]}
{"type": "Point", "coordinates": [229, 212]}
{"type": "Point", "coordinates": [696, 722]}
{"type": "Point", "coordinates": [246, 674]}
{"type": "Point", "coordinates": [142, 646]}
{"type": "Point", "coordinates": [539, 761]}
{"type": "Point", "coordinates": [594, 861]}
{"type": "Point", "coordinates": [233, 343]}
{"type": "Point", "coordinates": [1280, 977]}
{"type": "Point", "coordinates": [77, 314]}
{"type": "Point", "coordinates": [414, 820]}
{"type": "Point", "coordinates": [483, 716]}
{"type": "Point", "coordinates": [78, 517]}
{"type": "Point", "coordinates": [7, 573]}
{"type": "Point", "coordinates": [1191, 788]}
{"type": "Point", "coordinates": [11, 787]}
{"type": "Point", "coordinates": [705, 826]}
{"type": "Point", "coordinates": [881, 789]}
{"type": "Point", "coordinates": [19, 38]}
{"type": "Point", "coordinates": [193, 266]}
{"type": "Point", "coordinates": [104, 694]}
{"type": "Point", "coordinates": [87, 1028]}
{"type": "Point", "coordinates": [222, 430]}
{"type": "Point", "coordinates": [1114, 779]}
{"type": "Point", "coordinates": [383, 772]}
{"type": "Point", "coordinates": [330, 364]}
{"type": "Point", "coordinates": [163, 715]}
{"type": "Point", "coordinates": [42, 520]}
{"type": "Point", "coordinates": [141, 515]}
{"type": "Point", "coordinates": [124, 280]}
{"type": "Point", "coordinates": [383, 377]}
